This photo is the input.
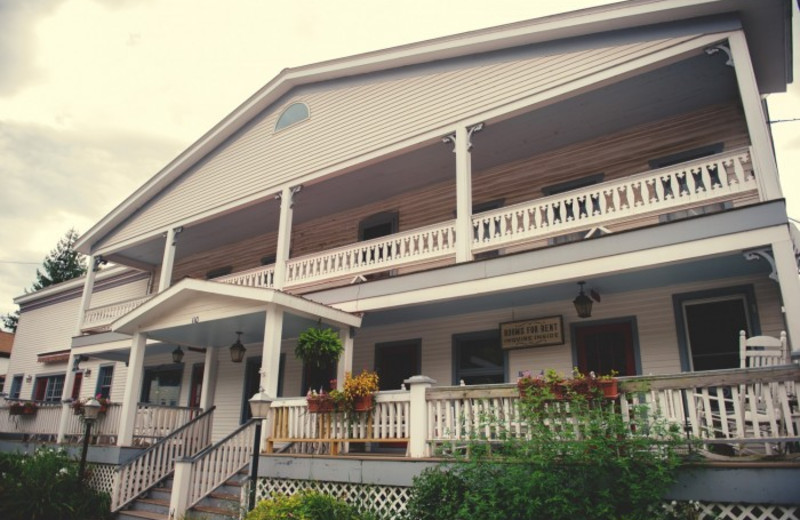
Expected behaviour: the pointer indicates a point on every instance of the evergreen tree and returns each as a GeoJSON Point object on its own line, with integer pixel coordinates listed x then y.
{"type": "Point", "coordinates": [62, 264]}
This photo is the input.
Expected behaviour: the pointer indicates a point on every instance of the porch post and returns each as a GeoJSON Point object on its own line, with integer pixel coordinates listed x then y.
{"type": "Point", "coordinates": [168, 262]}
{"type": "Point", "coordinates": [766, 169]}
{"type": "Point", "coordinates": [86, 297]}
{"type": "Point", "coordinates": [66, 392]}
{"type": "Point", "coordinates": [418, 416]}
{"type": "Point", "coordinates": [133, 388]}
{"type": "Point", "coordinates": [462, 143]}
{"type": "Point", "coordinates": [346, 361]}
{"type": "Point", "coordinates": [209, 378]}
{"type": "Point", "coordinates": [284, 245]}
{"type": "Point", "coordinates": [786, 267]}
{"type": "Point", "coordinates": [271, 350]}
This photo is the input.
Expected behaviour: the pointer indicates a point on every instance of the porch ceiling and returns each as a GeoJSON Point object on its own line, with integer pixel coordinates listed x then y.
{"type": "Point", "coordinates": [710, 268]}
{"type": "Point", "coordinates": [673, 89]}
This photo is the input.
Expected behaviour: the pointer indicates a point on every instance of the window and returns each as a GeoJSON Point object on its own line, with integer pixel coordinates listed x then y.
{"type": "Point", "coordinates": [16, 387]}
{"type": "Point", "coordinates": [162, 385]}
{"type": "Point", "coordinates": [48, 388]}
{"type": "Point", "coordinates": [478, 358]}
{"type": "Point", "coordinates": [220, 271]}
{"type": "Point", "coordinates": [294, 113]}
{"type": "Point", "coordinates": [561, 187]}
{"type": "Point", "coordinates": [378, 225]}
{"type": "Point", "coordinates": [104, 378]}
{"type": "Point", "coordinates": [685, 156]}
{"type": "Point", "coordinates": [397, 361]}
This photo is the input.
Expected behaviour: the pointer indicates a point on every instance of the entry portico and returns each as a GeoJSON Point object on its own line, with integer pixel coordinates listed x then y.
{"type": "Point", "coordinates": [208, 315]}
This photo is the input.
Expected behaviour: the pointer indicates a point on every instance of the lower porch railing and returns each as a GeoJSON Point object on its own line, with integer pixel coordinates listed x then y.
{"type": "Point", "coordinates": [41, 425]}
{"type": "Point", "coordinates": [300, 431]}
{"type": "Point", "coordinates": [158, 461]}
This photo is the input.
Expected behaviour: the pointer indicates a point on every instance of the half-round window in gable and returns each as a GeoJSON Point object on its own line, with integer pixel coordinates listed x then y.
{"type": "Point", "coordinates": [294, 113]}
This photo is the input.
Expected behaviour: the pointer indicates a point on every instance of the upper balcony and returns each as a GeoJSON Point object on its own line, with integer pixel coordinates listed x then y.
{"type": "Point", "coordinates": [712, 183]}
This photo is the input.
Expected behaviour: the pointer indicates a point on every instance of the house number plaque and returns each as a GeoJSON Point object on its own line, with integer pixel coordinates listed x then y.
{"type": "Point", "coordinates": [539, 332]}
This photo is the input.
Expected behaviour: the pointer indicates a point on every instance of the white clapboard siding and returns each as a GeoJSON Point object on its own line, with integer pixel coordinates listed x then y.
{"type": "Point", "coordinates": [366, 116]}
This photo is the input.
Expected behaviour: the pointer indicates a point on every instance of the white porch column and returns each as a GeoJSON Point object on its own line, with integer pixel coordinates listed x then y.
{"type": "Point", "coordinates": [271, 353]}
{"type": "Point", "coordinates": [209, 378]}
{"type": "Point", "coordinates": [168, 262]}
{"type": "Point", "coordinates": [284, 235]}
{"type": "Point", "coordinates": [764, 165]}
{"type": "Point", "coordinates": [133, 388]}
{"type": "Point", "coordinates": [86, 297]}
{"type": "Point", "coordinates": [418, 416]}
{"type": "Point", "coordinates": [346, 361]}
{"type": "Point", "coordinates": [462, 143]}
{"type": "Point", "coordinates": [786, 267]}
{"type": "Point", "coordinates": [66, 393]}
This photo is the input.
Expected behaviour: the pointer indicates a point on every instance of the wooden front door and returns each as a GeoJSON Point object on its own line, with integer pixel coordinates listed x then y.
{"type": "Point", "coordinates": [606, 347]}
{"type": "Point", "coordinates": [196, 389]}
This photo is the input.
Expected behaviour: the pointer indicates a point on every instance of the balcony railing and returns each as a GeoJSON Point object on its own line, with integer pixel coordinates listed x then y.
{"type": "Point", "coordinates": [692, 184]}
{"type": "Point", "coordinates": [733, 412]}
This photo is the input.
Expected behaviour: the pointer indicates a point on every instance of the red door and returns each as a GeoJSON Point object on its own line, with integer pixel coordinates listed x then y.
{"type": "Point", "coordinates": [76, 385]}
{"type": "Point", "coordinates": [606, 347]}
{"type": "Point", "coordinates": [197, 386]}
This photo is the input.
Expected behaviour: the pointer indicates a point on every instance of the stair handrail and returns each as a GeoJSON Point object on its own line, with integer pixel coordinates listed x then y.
{"type": "Point", "coordinates": [158, 461]}
{"type": "Point", "coordinates": [214, 465]}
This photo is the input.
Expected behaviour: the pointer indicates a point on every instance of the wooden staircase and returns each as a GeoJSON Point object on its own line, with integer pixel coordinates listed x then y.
{"type": "Point", "coordinates": [224, 503]}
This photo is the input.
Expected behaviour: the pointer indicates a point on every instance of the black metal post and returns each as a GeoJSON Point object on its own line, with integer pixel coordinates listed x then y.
{"type": "Point", "coordinates": [86, 433]}
{"type": "Point", "coordinates": [251, 503]}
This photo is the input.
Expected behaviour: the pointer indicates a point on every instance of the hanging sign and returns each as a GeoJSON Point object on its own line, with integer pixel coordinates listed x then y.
{"type": "Point", "coordinates": [539, 332]}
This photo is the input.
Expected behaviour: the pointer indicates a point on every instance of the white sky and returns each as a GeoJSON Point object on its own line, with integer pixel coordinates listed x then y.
{"type": "Point", "coordinates": [96, 96]}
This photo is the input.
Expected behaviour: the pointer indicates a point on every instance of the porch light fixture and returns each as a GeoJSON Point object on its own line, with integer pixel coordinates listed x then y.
{"type": "Point", "coordinates": [177, 355]}
{"type": "Point", "coordinates": [237, 349]}
{"type": "Point", "coordinates": [583, 304]}
{"type": "Point", "coordinates": [91, 409]}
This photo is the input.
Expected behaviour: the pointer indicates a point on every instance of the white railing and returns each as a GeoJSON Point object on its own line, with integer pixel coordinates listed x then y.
{"type": "Point", "coordinates": [158, 461]}
{"type": "Point", "coordinates": [104, 430]}
{"type": "Point", "coordinates": [263, 277]}
{"type": "Point", "coordinates": [389, 421]}
{"type": "Point", "coordinates": [381, 254]}
{"type": "Point", "coordinates": [154, 422]}
{"type": "Point", "coordinates": [99, 318]}
{"type": "Point", "coordinates": [690, 183]}
{"type": "Point", "coordinates": [753, 410]}
{"type": "Point", "coordinates": [195, 478]}
{"type": "Point", "coordinates": [42, 425]}
{"type": "Point", "coordinates": [749, 410]}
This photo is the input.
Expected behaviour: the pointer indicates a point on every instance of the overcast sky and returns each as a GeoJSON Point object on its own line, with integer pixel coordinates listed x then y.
{"type": "Point", "coordinates": [96, 96]}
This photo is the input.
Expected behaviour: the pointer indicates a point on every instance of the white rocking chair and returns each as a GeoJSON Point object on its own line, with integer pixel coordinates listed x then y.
{"type": "Point", "coordinates": [762, 351]}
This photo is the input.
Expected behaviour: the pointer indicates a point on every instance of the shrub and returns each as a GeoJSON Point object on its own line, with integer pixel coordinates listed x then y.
{"type": "Point", "coordinates": [305, 505]}
{"type": "Point", "coordinates": [579, 459]}
{"type": "Point", "coordinates": [46, 486]}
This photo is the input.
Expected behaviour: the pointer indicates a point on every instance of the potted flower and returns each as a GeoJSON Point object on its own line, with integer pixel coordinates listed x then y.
{"type": "Point", "coordinates": [77, 407]}
{"type": "Point", "coordinates": [23, 408]}
{"type": "Point", "coordinates": [608, 384]}
{"type": "Point", "coordinates": [360, 389]}
{"type": "Point", "coordinates": [104, 402]}
{"type": "Point", "coordinates": [319, 347]}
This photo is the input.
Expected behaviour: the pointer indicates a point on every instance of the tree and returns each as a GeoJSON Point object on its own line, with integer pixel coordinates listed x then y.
{"type": "Point", "coordinates": [62, 264]}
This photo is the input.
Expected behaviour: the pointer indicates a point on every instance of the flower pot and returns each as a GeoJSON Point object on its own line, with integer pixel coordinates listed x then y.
{"type": "Point", "coordinates": [609, 388]}
{"type": "Point", "coordinates": [313, 405]}
{"type": "Point", "coordinates": [14, 411]}
{"type": "Point", "coordinates": [326, 405]}
{"type": "Point", "coordinates": [363, 403]}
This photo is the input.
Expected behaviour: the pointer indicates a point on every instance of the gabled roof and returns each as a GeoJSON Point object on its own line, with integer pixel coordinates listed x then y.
{"type": "Point", "coordinates": [767, 22]}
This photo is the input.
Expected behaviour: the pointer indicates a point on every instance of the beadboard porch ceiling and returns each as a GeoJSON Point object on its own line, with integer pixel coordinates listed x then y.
{"type": "Point", "coordinates": [681, 87]}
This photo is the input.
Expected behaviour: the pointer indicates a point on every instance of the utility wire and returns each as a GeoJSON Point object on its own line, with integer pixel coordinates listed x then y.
{"type": "Point", "coordinates": [20, 263]}
{"type": "Point", "coordinates": [785, 120]}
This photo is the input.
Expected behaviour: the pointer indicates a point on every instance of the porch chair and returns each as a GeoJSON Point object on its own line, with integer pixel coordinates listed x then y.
{"type": "Point", "coordinates": [762, 351]}
{"type": "Point", "coordinates": [763, 406]}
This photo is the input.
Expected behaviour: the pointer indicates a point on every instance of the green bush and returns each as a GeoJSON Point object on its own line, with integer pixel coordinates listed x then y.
{"type": "Point", "coordinates": [45, 486]}
{"type": "Point", "coordinates": [578, 460]}
{"type": "Point", "coordinates": [305, 505]}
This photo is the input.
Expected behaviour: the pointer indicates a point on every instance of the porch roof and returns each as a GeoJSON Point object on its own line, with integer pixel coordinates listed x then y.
{"type": "Point", "coordinates": [193, 304]}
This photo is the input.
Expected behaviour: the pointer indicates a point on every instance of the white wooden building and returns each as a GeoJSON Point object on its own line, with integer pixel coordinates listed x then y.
{"type": "Point", "coordinates": [422, 198]}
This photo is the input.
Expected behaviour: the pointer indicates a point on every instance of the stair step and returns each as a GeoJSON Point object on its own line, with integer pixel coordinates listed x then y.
{"type": "Point", "coordinates": [227, 513]}
{"type": "Point", "coordinates": [232, 497]}
{"type": "Point", "coordinates": [153, 505]}
{"type": "Point", "coordinates": [130, 514]}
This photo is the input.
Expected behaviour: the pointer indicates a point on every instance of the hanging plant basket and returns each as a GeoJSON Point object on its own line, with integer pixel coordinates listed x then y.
{"type": "Point", "coordinates": [317, 347]}
{"type": "Point", "coordinates": [609, 387]}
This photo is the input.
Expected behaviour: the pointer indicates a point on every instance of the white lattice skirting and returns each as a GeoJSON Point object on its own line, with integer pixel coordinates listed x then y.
{"type": "Point", "coordinates": [386, 501]}
{"type": "Point", "coordinates": [390, 501]}
{"type": "Point", "coordinates": [101, 477]}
